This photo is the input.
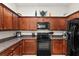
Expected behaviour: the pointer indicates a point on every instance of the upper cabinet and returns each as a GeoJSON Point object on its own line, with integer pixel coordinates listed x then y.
{"type": "Point", "coordinates": [15, 22]}
{"type": "Point", "coordinates": [7, 21]}
{"type": "Point", "coordinates": [58, 24]}
{"type": "Point", "coordinates": [32, 23]}
{"type": "Point", "coordinates": [1, 17]}
{"type": "Point", "coordinates": [74, 15]}
{"type": "Point", "coordinates": [28, 23]}
{"type": "Point", "coordinates": [23, 24]}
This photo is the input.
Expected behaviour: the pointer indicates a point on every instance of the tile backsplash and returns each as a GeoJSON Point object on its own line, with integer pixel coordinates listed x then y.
{"type": "Point", "coordinates": [30, 32]}
{"type": "Point", "coordinates": [5, 34]}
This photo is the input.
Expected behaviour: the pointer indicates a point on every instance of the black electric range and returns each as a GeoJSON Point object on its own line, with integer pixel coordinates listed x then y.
{"type": "Point", "coordinates": [43, 44]}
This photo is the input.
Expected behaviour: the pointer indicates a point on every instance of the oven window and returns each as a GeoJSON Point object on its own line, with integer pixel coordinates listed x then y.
{"type": "Point", "coordinates": [44, 45]}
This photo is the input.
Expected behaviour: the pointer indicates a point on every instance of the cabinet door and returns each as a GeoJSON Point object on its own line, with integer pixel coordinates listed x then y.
{"type": "Point", "coordinates": [30, 46]}
{"type": "Point", "coordinates": [21, 47]}
{"type": "Point", "coordinates": [62, 24]}
{"type": "Point", "coordinates": [7, 22]}
{"type": "Point", "coordinates": [40, 19]}
{"type": "Point", "coordinates": [23, 23]}
{"type": "Point", "coordinates": [65, 47]}
{"type": "Point", "coordinates": [32, 23]}
{"type": "Point", "coordinates": [1, 17]}
{"type": "Point", "coordinates": [16, 51]}
{"type": "Point", "coordinates": [7, 52]}
{"type": "Point", "coordinates": [15, 22]}
{"type": "Point", "coordinates": [54, 24]}
{"type": "Point", "coordinates": [28, 23]}
{"type": "Point", "coordinates": [57, 47]}
{"type": "Point", "coordinates": [58, 24]}
{"type": "Point", "coordinates": [75, 15]}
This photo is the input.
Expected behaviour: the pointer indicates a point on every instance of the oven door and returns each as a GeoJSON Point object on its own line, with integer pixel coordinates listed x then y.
{"type": "Point", "coordinates": [44, 48]}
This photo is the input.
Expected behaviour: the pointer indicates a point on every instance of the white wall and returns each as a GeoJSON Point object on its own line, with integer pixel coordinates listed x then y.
{"type": "Point", "coordinates": [73, 7]}
{"type": "Point", "coordinates": [11, 6]}
{"type": "Point", "coordinates": [54, 10]}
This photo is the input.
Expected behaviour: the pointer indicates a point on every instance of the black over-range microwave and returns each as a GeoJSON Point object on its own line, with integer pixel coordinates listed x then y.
{"type": "Point", "coordinates": [43, 25]}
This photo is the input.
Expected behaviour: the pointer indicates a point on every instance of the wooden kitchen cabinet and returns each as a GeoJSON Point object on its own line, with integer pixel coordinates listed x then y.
{"type": "Point", "coordinates": [14, 50]}
{"type": "Point", "coordinates": [15, 22]}
{"type": "Point", "coordinates": [1, 17]}
{"type": "Point", "coordinates": [32, 23]}
{"type": "Point", "coordinates": [72, 16]}
{"type": "Point", "coordinates": [58, 47]}
{"type": "Point", "coordinates": [7, 19]}
{"type": "Point", "coordinates": [40, 19]}
{"type": "Point", "coordinates": [7, 52]}
{"type": "Point", "coordinates": [28, 23]}
{"type": "Point", "coordinates": [65, 47]}
{"type": "Point", "coordinates": [21, 47]}
{"type": "Point", "coordinates": [58, 24]}
{"type": "Point", "coordinates": [23, 24]}
{"type": "Point", "coordinates": [30, 47]}
{"type": "Point", "coordinates": [43, 19]}
{"type": "Point", "coordinates": [18, 48]}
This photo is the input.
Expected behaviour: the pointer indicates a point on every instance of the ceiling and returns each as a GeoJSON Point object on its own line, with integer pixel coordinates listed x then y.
{"type": "Point", "coordinates": [41, 4]}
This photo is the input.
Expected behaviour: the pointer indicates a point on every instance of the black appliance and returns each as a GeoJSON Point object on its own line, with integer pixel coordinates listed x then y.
{"type": "Point", "coordinates": [43, 25]}
{"type": "Point", "coordinates": [43, 44]}
{"type": "Point", "coordinates": [73, 37]}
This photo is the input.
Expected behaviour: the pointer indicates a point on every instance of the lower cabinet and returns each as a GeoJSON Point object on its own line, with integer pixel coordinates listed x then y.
{"type": "Point", "coordinates": [14, 50]}
{"type": "Point", "coordinates": [30, 47]}
{"type": "Point", "coordinates": [58, 47]}
{"type": "Point", "coordinates": [7, 52]}
{"type": "Point", "coordinates": [21, 48]}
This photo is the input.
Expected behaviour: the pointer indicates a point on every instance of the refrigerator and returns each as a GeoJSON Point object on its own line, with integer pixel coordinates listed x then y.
{"type": "Point", "coordinates": [73, 37]}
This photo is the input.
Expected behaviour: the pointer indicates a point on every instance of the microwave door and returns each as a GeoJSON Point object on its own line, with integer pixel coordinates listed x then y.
{"type": "Point", "coordinates": [44, 25]}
